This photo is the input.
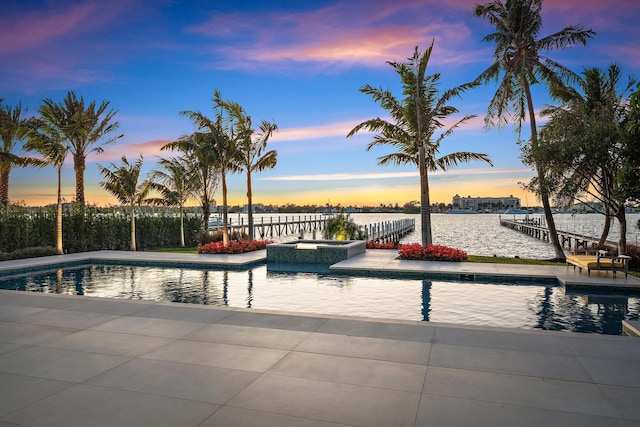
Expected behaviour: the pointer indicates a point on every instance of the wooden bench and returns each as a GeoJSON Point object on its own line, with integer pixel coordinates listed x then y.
{"type": "Point", "coordinates": [601, 261]}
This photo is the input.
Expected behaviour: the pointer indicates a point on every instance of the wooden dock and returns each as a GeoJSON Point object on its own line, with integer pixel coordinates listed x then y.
{"type": "Point", "coordinates": [533, 227]}
{"type": "Point", "coordinates": [298, 225]}
{"type": "Point", "coordinates": [389, 231]}
{"type": "Point", "coordinates": [282, 226]}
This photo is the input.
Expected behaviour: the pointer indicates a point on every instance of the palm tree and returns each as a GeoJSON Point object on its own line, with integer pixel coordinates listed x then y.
{"type": "Point", "coordinates": [12, 130]}
{"type": "Point", "coordinates": [86, 128]}
{"type": "Point", "coordinates": [519, 62]}
{"type": "Point", "coordinates": [415, 120]}
{"type": "Point", "coordinates": [251, 146]}
{"type": "Point", "coordinates": [343, 227]}
{"type": "Point", "coordinates": [45, 138]}
{"type": "Point", "coordinates": [122, 182]}
{"type": "Point", "coordinates": [223, 145]}
{"type": "Point", "coordinates": [201, 162]}
{"type": "Point", "coordinates": [175, 182]}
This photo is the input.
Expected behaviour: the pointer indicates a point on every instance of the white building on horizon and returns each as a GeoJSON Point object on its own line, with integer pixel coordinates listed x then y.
{"type": "Point", "coordinates": [485, 203]}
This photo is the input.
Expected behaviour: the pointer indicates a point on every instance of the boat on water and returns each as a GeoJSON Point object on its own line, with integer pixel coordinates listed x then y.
{"type": "Point", "coordinates": [515, 211]}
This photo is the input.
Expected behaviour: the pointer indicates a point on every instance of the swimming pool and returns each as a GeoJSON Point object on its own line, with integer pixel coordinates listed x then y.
{"type": "Point", "coordinates": [529, 305]}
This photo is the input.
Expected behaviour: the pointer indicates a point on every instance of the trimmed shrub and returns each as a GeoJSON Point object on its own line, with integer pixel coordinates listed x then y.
{"type": "Point", "coordinates": [431, 253]}
{"type": "Point", "coordinates": [234, 247]}
{"type": "Point", "coordinates": [380, 245]}
{"type": "Point", "coordinates": [34, 252]}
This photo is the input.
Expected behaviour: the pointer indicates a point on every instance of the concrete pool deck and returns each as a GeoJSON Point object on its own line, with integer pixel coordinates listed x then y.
{"type": "Point", "coordinates": [80, 361]}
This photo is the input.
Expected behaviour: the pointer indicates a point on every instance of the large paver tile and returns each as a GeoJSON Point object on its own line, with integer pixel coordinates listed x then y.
{"type": "Point", "coordinates": [232, 417]}
{"type": "Point", "coordinates": [116, 307]}
{"type": "Point", "coordinates": [13, 312]}
{"type": "Point", "coordinates": [89, 406]}
{"type": "Point", "coordinates": [332, 402]}
{"type": "Point", "coordinates": [22, 333]}
{"type": "Point", "coordinates": [369, 348]}
{"type": "Point", "coordinates": [621, 348]}
{"type": "Point", "coordinates": [508, 362]}
{"type": "Point", "coordinates": [184, 312]}
{"type": "Point", "coordinates": [625, 399]}
{"type": "Point", "coordinates": [67, 318]}
{"type": "Point", "coordinates": [18, 391]}
{"type": "Point", "coordinates": [108, 343]}
{"type": "Point", "coordinates": [448, 411]}
{"type": "Point", "coordinates": [180, 380]}
{"type": "Point", "coordinates": [612, 372]}
{"type": "Point", "coordinates": [250, 336]}
{"type": "Point", "coordinates": [558, 395]}
{"type": "Point", "coordinates": [372, 329]}
{"type": "Point", "coordinates": [274, 321]}
{"type": "Point", "coordinates": [503, 339]}
{"type": "Point", "coordinates": [219, 355]}
{"type": "Point", "coordinates": [350, 370]}
{"type": "Point", "coordinates": [57, 364]}
{"type": "Point", "coordinates": [150, 327]}
{"type": "Point", "coordinates": [6, 347]}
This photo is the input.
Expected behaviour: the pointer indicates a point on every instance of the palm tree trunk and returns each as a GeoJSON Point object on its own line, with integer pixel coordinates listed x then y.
{"type": "Point", "coordinates": [425, 207]}
{"type": "Point", "coordinates": [544, 193]}
{"type": "Point", "coordinates": [225, 216]}
{"type": "Point", "coordinates": [181, 226]}
{"type": "Point", "coordinates": [4, 186]}
{"type": "Point", "coordinates": [250, 205]}
{"type": "Point", "coordinates": [79, 166]}
{"type": "Point", "coordinates": [59, 249]}
{"type": "Point", "coordinates": [133, 227]}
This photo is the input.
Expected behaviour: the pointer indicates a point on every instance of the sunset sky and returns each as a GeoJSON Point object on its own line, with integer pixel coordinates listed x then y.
{"type": "Point", "coordinates": [297, 63]}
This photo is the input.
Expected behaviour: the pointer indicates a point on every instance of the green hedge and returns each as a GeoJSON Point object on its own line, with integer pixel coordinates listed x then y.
{"type": "Point", "coordinates": [92, 228]}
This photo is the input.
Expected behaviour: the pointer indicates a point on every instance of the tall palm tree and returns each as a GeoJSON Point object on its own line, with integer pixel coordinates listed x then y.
{"type": "Point", "coordinates": [175, 182]}
{"type": "Point", "coordinates": [415, 120]}
{"type": "Point", "coordinates": [87, 128]}
{"type": "Point", "coordinates": [223, 145]}
{"type": "Point", "coordinates": [199, 157]}
{"type": "Point", "coordinates": [12, 130]}
{"type": "Point", "coordinates": [519, 62]}
{"type": "Point", "coordinates": [122, 182]}
{"type": "Point", "coordinates": [45, 138]}
{"type": "Point", "coordinates": [252, 156]}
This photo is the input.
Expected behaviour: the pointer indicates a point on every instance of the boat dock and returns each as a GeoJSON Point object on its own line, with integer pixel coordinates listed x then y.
{"type": "Point", "coordinates": [281, 226]}
{"type": "Point", "coordinates": [389, 231]}
{"type": "Point", "coordinates": [533, 227]}
{"type": "Point", "coordinates": [386, 231]}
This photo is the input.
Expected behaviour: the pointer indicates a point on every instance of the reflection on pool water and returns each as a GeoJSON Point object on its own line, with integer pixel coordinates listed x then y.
{"type": "Point", "coordinates": [544, 306]}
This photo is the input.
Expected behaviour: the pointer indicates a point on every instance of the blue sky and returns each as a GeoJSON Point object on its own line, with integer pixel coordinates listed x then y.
{"type": "Point", "coordinates": [297, 63]}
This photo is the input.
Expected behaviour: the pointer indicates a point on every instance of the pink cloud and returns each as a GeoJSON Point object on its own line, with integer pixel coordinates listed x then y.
{"type": "Point", "coordinates": [345, 33]}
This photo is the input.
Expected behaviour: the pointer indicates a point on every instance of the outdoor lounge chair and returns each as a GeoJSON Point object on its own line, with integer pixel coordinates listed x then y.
{"type": "Point", "coordinates": [601, 261]}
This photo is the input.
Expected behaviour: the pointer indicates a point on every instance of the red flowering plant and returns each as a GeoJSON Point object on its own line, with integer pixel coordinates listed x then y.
{"type": "Point", "coordinates": [380, 245]}
{"type": "Point", "coordinates": [234, 247]}
{"type": "Point", "coordinates": [431, 253]}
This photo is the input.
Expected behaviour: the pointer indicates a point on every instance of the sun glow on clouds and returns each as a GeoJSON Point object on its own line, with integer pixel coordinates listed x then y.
{"type": "Point", "coordinates": [351, 176]}
{"type": "Point", "coordinates": [336, 34]}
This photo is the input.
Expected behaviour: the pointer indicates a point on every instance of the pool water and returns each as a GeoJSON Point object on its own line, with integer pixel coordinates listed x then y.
{"type": "Point", "coordinates": [543, 306]}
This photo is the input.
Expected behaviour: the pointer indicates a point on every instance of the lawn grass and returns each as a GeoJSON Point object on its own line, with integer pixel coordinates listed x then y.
{"type": "Point", "coordinates": [193, 250]}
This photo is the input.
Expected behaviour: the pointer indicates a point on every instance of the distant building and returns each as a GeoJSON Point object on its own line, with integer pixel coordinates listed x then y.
{"type": "Point", "coordinates": [256, 207]}
{"type": "Point", "coordinates": [485, 203]}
